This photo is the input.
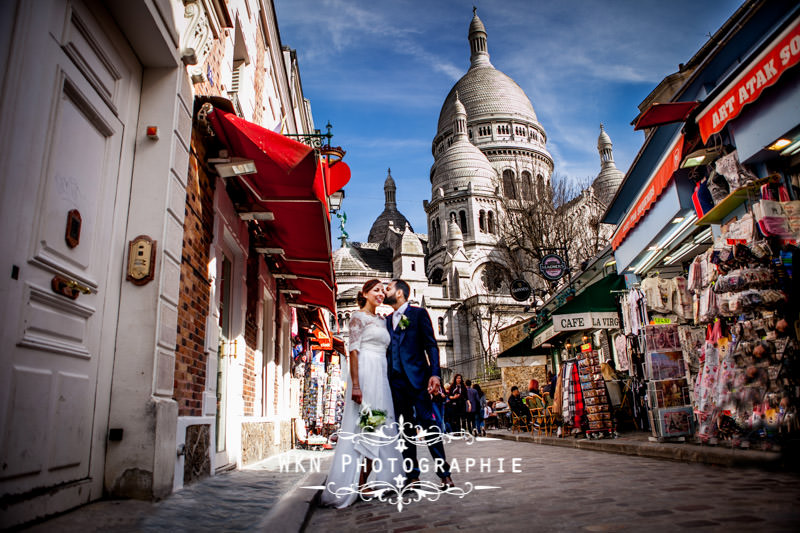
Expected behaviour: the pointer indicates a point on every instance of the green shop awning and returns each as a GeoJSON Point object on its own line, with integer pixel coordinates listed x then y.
{"type": "Point", "coordinates": [594, 308]}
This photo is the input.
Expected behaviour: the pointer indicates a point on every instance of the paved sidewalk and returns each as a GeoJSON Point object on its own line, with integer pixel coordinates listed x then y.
{"type": "Point", "coordinates": [232, 501]}
{"type": "Point", "coordinates": [638, 444]}
{"type": "Point", "coordinates": [560, 489]}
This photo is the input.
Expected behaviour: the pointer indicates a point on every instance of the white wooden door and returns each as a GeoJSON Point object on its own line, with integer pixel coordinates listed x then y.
{"type": "Point", "coordinates": [69, 108]}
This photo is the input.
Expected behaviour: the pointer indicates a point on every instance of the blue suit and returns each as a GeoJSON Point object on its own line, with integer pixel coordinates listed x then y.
{"type": "Point", "coordinates": [409, 372]}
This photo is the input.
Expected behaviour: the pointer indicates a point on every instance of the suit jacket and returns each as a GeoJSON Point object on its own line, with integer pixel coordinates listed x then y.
{"type": "Point", "coordinates": [411, 344]}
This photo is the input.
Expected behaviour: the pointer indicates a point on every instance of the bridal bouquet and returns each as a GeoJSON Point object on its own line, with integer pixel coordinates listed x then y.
{"type": "Point", "coordinates": [371, 418]}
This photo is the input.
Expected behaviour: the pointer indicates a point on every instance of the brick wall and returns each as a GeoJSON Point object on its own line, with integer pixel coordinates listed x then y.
{"type": "Point", "coordinates": [193, 305]}
{"type": "Point", "coordinates": [251, 336]}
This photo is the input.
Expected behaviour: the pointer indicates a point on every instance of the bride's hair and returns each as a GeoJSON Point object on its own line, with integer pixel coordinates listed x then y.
{"type": "Point", "coordinates": [361, 300]}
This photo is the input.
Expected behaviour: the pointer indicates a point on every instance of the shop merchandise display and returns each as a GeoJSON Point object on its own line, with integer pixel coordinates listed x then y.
{"type": "Point", "coordinates": [595, 398]}
{"type": "Point", "coordinates": [746, 384]}
{"type": "Point", "coordinates": [667, 382]}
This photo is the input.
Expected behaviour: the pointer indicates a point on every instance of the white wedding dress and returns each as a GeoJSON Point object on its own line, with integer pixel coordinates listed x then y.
{"type": "Point", "coordinates": [369, 336]}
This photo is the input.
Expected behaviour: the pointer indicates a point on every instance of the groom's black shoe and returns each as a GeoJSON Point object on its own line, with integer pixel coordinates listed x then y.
{"type": "Point", "coordinates": [447, 482]}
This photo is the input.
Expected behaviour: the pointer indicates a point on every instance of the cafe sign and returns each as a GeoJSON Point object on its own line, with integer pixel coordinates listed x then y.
{"type": "Point", "coordinates": [589, 320]}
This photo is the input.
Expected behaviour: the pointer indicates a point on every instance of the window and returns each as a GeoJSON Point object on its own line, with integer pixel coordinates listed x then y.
{"type": "Point", "coordinates": [527, 186]}
{"type": "Point", "coordinates": [462, 221]}
{"type": "Point", "coordinates": [482, 221]}
{"type": "Point", "coordinates": [508, 184]}
{"type": "Point", "coordinates": [441, 325]}
{"type": "Point", "coordinates": [413, 266]}
{"type": "Point", "coordinates": [493, 277]}
{"type": "Point", "coordinates": [540, 186]}
{"type": "Point", "coordinates": [491, 221]}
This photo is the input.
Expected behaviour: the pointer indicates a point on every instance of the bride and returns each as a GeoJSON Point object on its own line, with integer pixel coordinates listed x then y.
{"type": "Point", "coordinates": [369, 386]}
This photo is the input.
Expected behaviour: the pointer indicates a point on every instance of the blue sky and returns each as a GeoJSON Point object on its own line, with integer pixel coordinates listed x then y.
{"type": "Point", "coordinates": [379, 70]}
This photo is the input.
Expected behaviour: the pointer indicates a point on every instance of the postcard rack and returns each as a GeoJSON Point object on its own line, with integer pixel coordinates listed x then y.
{"type": "Point", "coordinates": [668, 398]}
{"type": "Point", "coordinates": [595, 397]}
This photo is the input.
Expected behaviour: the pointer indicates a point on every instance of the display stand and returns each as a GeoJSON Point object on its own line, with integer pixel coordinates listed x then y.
{"type": "Point", "coordinates": [595, 398]}
{"type": "Point", "coordinates": [670, 411]}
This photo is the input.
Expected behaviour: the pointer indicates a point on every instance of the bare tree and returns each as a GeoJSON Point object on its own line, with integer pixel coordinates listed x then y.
{"type": "Point", "coordinates": [565, 214]}
{"type": "Point", "coordinates": [489, 314]}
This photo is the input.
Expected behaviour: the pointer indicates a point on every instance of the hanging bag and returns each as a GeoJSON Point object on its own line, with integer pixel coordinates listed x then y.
{"type": "Point", "coordinates": [702, 200]}
{"type": "Point", "coordinates": [769, 212]}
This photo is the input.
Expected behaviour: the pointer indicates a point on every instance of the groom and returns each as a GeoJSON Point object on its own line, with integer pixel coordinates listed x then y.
{"type": "Point", "coordinates": [413, 377]}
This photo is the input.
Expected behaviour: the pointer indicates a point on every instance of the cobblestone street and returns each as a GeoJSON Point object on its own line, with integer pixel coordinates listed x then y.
{"type": "Point", "coordinates": [562, 489]}
{"type": "Point", "coordinates": [232, 501]}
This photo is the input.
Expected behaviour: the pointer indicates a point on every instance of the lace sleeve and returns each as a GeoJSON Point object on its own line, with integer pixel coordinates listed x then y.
{"type": "Point", "coordinates": [357, 325]}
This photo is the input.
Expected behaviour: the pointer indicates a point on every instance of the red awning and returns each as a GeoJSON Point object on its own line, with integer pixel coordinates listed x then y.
{"type": "Point", "coordinates": [661, 178]}
{"type": "Point", "coordinates": [338, 346]}
{"type": "Point", "coordinates": [658, 114]}
{"type": "Point", "coordinates": [782, 54]}
{"type": "Point", "coordinates": [289, 183]}
{"type": "Point", "coordinates": [285, 168]}
{"type": "Point", "coordinates": [314, 292]}
{"type": "Point", "coordinates": [338, 175]}
{"type": "Point", "coordinates": [314, 268]}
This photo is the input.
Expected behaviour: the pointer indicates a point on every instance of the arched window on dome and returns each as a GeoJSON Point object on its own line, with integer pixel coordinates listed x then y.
{"type": "Point", "coordinates": [490, 219]}
{"type": "Point", "coordinates": [540, 187]}
{"type": "Point", "coordinates": [470, 134]}
{"type": "Point", "coordinates": [508, 184]}
{"type": "Point", "coordinates": [462, 221]}
{"type": "Point", "coordinates": [482, 221]}
{"type": "Point", "coordinates": [527, 186]}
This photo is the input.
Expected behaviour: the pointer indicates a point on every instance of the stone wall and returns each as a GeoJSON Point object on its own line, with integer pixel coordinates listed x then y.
{"type": "Point", "coordinates": [258, 440]}
{"type": "Point", "coordinates": [520, 375]}
{"type": "Point", "coordinates": [197, 462]}
{"type": "Point", "coordinates": [511, 335]}
{"type": "Point", "coordinates": [492, 389]}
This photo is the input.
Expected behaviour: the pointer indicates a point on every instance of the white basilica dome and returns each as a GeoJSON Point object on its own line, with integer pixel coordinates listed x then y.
{"type": "Point", "coordinates": [487, 93]}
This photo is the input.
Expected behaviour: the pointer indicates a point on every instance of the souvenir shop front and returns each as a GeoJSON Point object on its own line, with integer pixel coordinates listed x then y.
{"type": "Point", "coordinates": [319, 358]}
{"type": "Point", "coordinates": [711, 313]}
{"type": "Point", "coordinates": [584, 330]}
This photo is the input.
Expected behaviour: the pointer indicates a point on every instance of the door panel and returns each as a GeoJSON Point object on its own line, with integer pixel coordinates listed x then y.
{"type": "Point", "coordinates": [65, 153]}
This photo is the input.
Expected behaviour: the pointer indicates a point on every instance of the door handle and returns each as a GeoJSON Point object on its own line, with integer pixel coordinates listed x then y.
{"type": "Point", "coordinates": [68, 287]}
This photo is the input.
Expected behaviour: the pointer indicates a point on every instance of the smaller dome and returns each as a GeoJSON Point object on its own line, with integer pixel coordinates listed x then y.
{"type": "Point", "coordinates": [476, 25]}
{"type": "Point", "coordinates": [455, 239]}
{"type": "Point", "coordinates": [345, 259]}
{"type": "Point", "coordinates": [603, 141]}
{"type": "Point", "coordinates": [461, 164]}
{"type": "Point", "coordinates": [410, 244]}
{"type": "Point", "coordinates": [607, 182]}
{"type": "Point", "coordinates": [389, 183]}
{"type": "Point", "coordinates": [458, 107]}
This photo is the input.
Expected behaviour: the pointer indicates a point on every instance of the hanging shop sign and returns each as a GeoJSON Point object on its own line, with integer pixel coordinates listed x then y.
{"type": "Point", "coordinates": [650, 194]}
{"type": "Point", "coordinates": [553, 267]}
{"type": "Point", "coordinates": [520, 290]}
{"type": "Point", "coordinates": [590, 320]}
{"type": "Point", "coordinates": [782, 54]}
